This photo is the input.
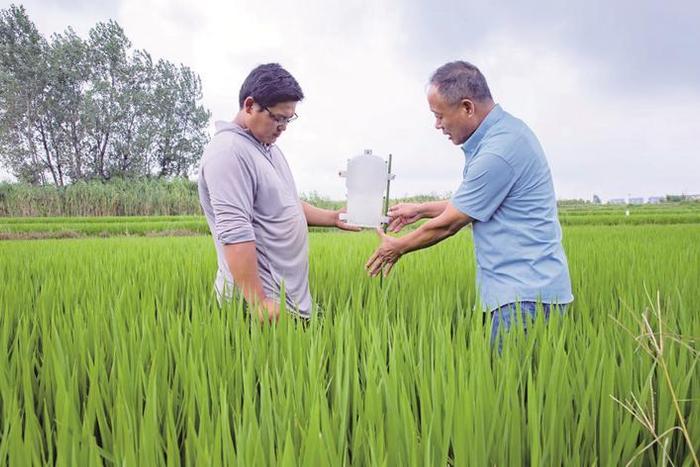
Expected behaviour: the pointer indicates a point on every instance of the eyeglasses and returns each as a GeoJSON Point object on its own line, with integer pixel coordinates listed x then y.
{"type": "Point", "coordinates": [280, 119]}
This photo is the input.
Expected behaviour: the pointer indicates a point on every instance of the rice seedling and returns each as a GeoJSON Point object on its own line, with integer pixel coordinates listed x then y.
{"type": "Point", "coordinates": [116, 353]}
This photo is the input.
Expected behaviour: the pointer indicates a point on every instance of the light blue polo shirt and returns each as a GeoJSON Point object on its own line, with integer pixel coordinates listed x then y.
{"type": "Point", "coordinates": [507, 189]}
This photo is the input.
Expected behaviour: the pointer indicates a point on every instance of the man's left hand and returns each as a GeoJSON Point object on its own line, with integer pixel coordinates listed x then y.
{"type": "Point", "coordinates": [385, 256]}
{"type": "Point", "coordinates": [342, 225]}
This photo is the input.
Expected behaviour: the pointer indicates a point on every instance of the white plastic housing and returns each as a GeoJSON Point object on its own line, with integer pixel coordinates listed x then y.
{"type": "Point", "coordinates": [366, 182]}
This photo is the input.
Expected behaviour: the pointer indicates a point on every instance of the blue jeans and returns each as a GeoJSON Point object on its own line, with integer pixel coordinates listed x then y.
{"type": "Point", "coordinates": [503, 318]}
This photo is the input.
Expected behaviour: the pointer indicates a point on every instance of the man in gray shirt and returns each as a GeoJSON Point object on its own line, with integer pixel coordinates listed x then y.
{"type": "Point", "coordinates": [249, 198]}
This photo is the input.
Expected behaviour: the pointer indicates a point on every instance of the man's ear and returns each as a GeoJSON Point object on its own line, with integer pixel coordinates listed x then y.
{"type": "Point", "coordinates": [468, 106]}
{"type": "Point", "coordinates": [248, 105]}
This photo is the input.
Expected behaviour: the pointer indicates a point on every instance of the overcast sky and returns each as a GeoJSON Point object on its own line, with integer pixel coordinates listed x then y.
{"type": "Point", "coordinates": [612, 89]}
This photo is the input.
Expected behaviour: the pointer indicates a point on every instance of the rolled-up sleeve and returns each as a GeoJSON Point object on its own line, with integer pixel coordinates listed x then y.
{"type": "Point", "coordinates": [231, 183]}
{"type": "Point", "coordinates": [487, 182]}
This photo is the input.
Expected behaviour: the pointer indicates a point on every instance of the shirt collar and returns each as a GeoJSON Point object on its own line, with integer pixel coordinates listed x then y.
{"type": "Point", "coordinates": [469, 146]}
{"type": "Point", "coordinates": [245, 131]}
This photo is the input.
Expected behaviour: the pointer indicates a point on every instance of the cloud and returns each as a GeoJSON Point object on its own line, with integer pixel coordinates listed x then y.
{"type": "Point", "coordinates": [596, 140]}
{"type": "Point", "coordinates": [54, 16]}
{"type": "Point", "coordinates": [643, 44]}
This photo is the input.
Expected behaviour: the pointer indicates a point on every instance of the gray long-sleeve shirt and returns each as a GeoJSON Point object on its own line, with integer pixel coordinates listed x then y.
{"type": "Point", "coordinates": [248, 194]}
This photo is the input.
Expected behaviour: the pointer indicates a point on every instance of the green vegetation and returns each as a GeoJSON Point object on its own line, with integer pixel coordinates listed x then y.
{"type": "Point", "coordinates": [144, 197]}
{"type": "Point", "coordinates": [116, 353]}
{"type": "Point", "coordinates": [82, 109]}
{"type": "Point", "coordinates": [178, 196]}
{"type": "Point", "coordinates": [61, 227]}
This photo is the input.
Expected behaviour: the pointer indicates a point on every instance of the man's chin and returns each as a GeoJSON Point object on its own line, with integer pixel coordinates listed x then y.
{"type": "Point", "coordinates": [453, 141]}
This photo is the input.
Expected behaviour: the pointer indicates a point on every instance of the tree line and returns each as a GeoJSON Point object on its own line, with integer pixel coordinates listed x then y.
{"type": "Point", "coordinates": [74, 109]}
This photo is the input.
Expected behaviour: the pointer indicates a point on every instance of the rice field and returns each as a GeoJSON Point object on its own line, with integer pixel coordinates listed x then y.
{"type": "Point", "coordinates": [169, 225]}
{"type": "Point", "coordinates": [116, 353]}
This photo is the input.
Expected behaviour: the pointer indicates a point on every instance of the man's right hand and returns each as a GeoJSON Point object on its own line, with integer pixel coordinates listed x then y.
{"type": "Point", "coordinates": [268, 311]}
{"type": "Point", "coordinates": [242, 261]}
{"type": "Point", "coordinates": [403, 214]}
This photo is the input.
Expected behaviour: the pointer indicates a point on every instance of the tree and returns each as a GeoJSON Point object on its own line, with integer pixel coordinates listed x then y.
{"type": "Point", "coordinates": [22, 85]}
{"type": "Point", "coordinates": [74, 109]}
{"type": "Point", "coordinates": [178, 141]}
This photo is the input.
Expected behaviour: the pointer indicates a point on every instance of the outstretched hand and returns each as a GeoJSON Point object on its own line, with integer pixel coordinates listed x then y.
{"type": "Point", "coordinates": [403, 214]}
{"type": "Point", "coordinates": [385, 256]}
{"type": "Point", "coordinates": [342, 225]}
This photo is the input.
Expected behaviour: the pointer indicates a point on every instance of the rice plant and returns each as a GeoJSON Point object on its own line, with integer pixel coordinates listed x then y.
{"type": "Point", "coordinates": [116, 353]}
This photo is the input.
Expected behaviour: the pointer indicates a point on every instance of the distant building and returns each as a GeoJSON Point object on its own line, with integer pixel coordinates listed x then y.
{"type": "Point", "coordinates": [656, 199]}
{"type": "Point", "coordinates": [616, 201]}
{"type": "Point", "coordinates": [694, 197]}
{"type": "Point", "coordinates": [636, 201]}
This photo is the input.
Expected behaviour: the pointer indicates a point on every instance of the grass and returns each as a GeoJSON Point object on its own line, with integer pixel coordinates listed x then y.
{"type": "Point", "coordinates": [116, 353]}
{"type": "Point", "coordinates": [109, 226]}
{"type": "Point", "coordinates": [159, 196]}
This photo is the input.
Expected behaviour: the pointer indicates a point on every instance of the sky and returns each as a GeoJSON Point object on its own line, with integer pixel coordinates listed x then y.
{"type": "Point", "coordinates": [611, 89]}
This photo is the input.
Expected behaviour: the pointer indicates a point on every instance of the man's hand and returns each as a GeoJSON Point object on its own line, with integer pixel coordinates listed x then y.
{"type": "Point", "coordinates": [342, 225]}
{"type": "Point", "coordinates": [268, 311]}
{"type": "Point", "coordinates": [242, 260]}
{"type": "Point", "coordinates": [326, 218]}
{"type": "Point", "coordinates": [385, 256]}
{"type": "Point", "coordinates": [448, 221]}
{"type": "Point", "coordinates": [403, 214]}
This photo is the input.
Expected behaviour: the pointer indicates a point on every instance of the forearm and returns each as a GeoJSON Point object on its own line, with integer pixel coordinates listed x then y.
{"type": "Point", "coordinates": [432, 209]}
{"type": "Point", "coordinates": [448, 223]}
{"type": "Point", "coordinates": [426, 235]}
{"type": "Point", "coordinates": [318, 217]}
{"type": "Point", "coordinates": [242, 261]}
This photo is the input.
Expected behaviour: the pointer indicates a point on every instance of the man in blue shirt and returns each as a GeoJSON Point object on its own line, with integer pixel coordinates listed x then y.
{"type": "Point", "coordinates": [506, 194]}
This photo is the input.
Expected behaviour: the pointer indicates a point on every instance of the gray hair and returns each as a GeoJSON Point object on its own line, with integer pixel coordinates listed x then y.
{"type": "Point", "coordinates": [460, 80]}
